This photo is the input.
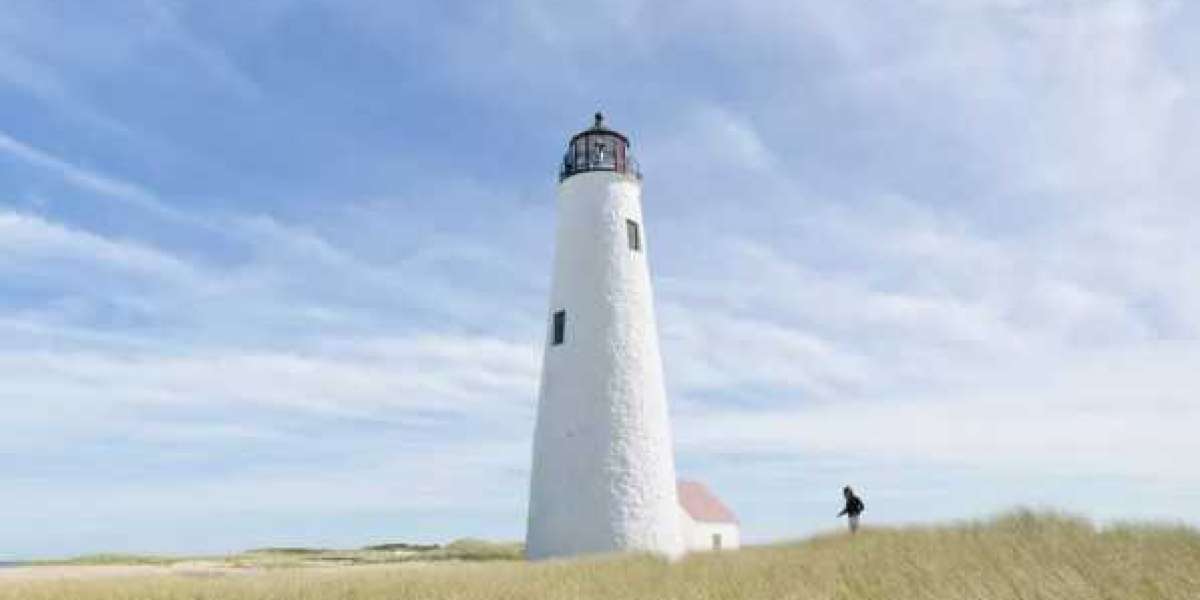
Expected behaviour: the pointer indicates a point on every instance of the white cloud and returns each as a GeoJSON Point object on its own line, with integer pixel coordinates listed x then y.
{"type": "Point", "coordinates": [213, 60]}
{"type": "Point", "coordinates": [85, 178]}
{"type": "Point", "coordinates": [376, 378]}
{"type": "Point", "coordinates": [96, 182]}
{"type": "Point", "coordinates": [1126, 413]}
{"type": "Point", "coordinates": [716, 352]}
{"type": "Point", "coordinates": [33, 244]}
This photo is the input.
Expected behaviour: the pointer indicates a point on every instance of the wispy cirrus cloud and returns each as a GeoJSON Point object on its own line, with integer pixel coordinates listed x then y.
{"type": "Point", "coordinates": [27, 240]}
{"type": "Point", "coordinates": [85, 178]}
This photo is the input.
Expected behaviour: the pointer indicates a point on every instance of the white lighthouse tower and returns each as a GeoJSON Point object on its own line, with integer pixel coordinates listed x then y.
{"type": "Point", "coordinates": [603, 468]}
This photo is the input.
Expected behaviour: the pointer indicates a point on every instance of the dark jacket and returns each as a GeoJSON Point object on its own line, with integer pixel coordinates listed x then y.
{"type": "Point", "coordinates": [854, 506]}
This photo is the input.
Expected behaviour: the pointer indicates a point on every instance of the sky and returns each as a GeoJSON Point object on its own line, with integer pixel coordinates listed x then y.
{"type": "Point", "coordinates": [276, 273]}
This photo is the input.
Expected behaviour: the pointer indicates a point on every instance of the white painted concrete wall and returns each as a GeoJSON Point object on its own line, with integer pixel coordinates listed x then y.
{"type": "Point", "coordinates": [698, 535]}
{"type": "Point", "coordinates": [603, 475]}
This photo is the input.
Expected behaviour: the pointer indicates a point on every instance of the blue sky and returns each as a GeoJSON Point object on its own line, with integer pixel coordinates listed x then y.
{"type": "Point", "coordinates": [275, 272]}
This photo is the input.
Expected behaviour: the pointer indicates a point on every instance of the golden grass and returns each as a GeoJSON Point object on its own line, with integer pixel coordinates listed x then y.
{"type": "Point", "coordinates": [1022, 555]}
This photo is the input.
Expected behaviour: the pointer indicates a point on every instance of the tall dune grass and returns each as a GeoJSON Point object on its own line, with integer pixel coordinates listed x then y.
{"type": "Point", "coordinates": [1022, 555]}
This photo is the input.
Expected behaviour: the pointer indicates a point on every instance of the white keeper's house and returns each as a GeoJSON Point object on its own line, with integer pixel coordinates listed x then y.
{"type": "Point", "coordinates": [705, 523]}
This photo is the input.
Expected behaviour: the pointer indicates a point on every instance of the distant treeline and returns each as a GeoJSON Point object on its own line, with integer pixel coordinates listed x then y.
{"type": "Point", "coordinates": [404, 546]}
{"type": "Point", "coordinates": [389, 547]}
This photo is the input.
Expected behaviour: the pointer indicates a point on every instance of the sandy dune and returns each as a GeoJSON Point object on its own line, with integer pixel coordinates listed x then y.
{"type": "Point", "coordinates": [191, 568]}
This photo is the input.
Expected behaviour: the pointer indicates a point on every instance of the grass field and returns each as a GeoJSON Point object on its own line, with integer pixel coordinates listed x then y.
{"type": "Point", "coordinates": [1018, 556]}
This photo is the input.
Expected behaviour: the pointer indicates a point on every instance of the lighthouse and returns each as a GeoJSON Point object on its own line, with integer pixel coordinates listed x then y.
{"type": "Point", "coordinates": [603, 477]}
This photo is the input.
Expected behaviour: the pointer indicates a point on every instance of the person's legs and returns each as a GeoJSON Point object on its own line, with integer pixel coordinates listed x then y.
{"type": "Point", "coordinates": [853, 523]}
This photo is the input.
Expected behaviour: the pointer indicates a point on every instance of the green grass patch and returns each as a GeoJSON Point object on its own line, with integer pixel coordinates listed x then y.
{"type": "Point", "coordinates": [109, 559]}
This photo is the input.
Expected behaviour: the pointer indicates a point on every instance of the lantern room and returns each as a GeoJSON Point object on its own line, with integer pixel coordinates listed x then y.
{"type": "Point", "coordinates": [598, 149]}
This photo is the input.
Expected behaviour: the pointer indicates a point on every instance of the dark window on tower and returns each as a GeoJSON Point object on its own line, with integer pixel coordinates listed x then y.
{"type": "Point", "coordinates": [560, 326]}
{"type": "Point", "coordinates": [635, 236]}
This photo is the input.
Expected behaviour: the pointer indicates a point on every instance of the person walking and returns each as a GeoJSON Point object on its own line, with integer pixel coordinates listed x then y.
{"type": "Point", "coordinates": [854, 507]}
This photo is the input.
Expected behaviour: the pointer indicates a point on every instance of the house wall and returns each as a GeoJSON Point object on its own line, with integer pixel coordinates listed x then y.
{"type": "Point", "coordinates": [698, 535]}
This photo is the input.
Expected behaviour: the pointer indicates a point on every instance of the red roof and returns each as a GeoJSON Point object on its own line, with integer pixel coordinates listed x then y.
{"type": "Point", "coordinates": [702, 505]}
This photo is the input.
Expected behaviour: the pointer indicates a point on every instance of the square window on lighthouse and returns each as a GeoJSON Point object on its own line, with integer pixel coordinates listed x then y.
{"type": "Point", "coordinates": [635, 236]}
{"type": "Point", "coordinates": [560, 327]}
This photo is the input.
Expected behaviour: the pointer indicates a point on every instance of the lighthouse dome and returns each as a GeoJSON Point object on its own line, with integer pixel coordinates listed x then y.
{"type": "Point", "coordinates": [598, 149]}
